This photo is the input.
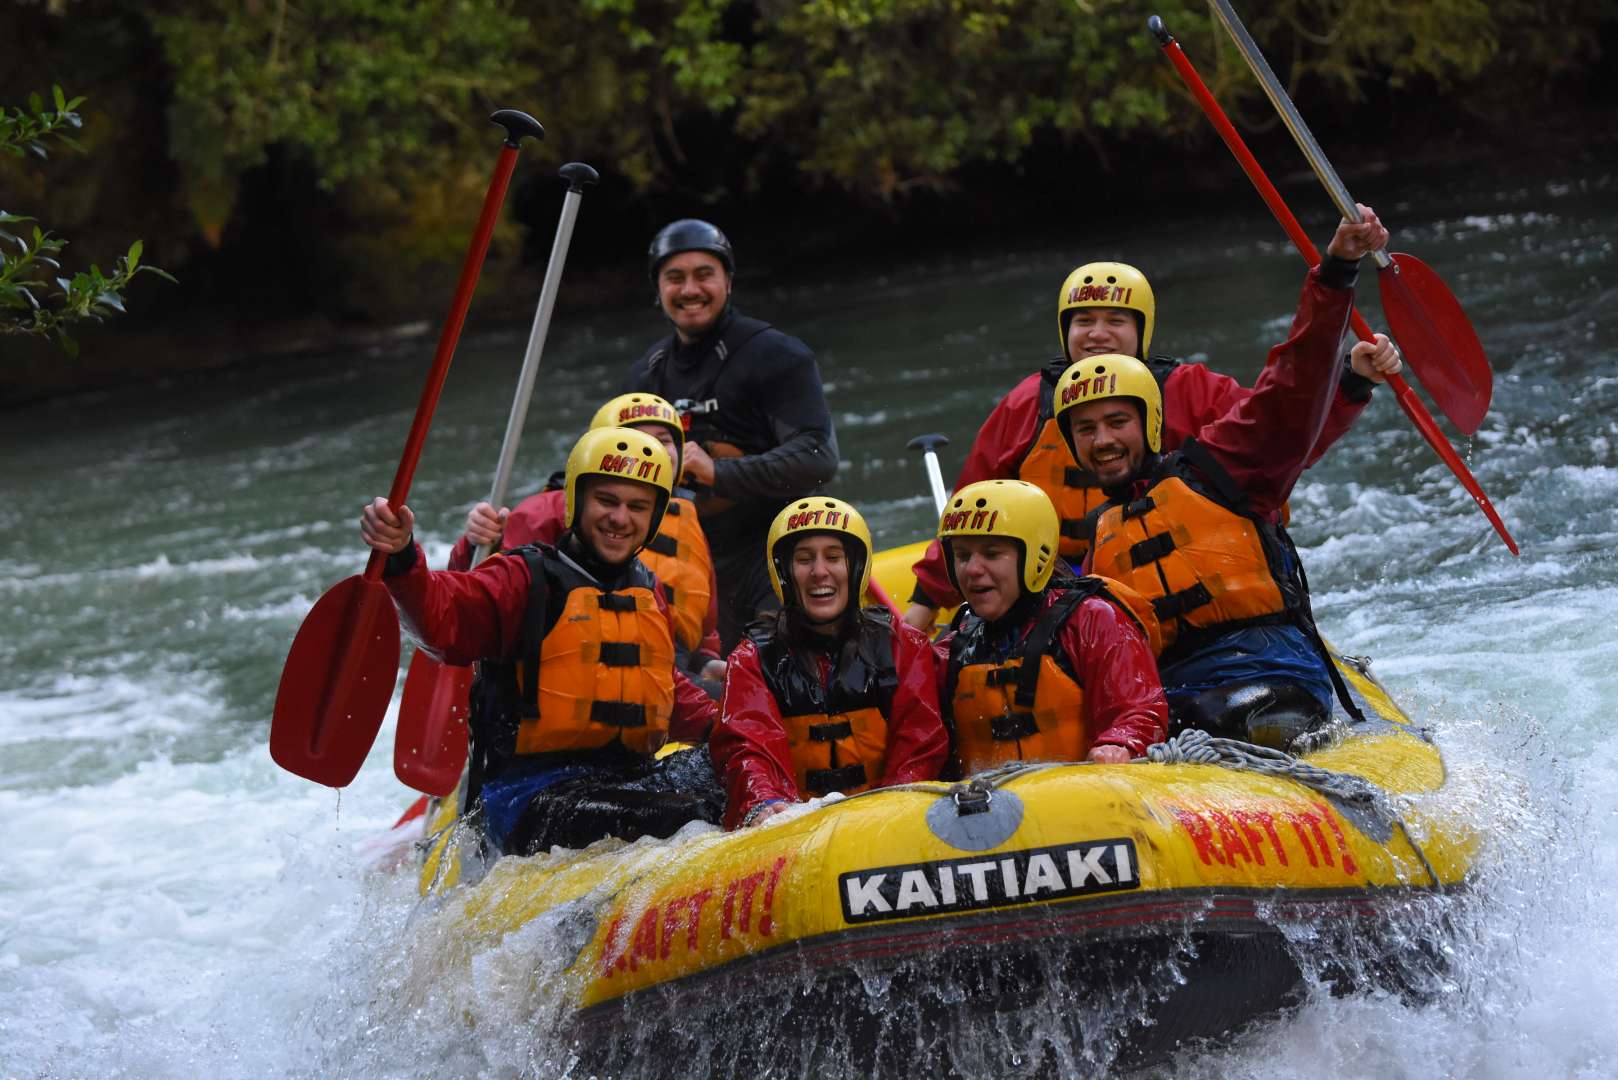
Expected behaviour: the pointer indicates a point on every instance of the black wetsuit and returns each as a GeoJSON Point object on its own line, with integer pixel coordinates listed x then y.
{"type": "Point", "coordinates": [749, 385]}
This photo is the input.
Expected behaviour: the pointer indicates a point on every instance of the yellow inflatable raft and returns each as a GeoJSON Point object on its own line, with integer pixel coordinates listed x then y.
{"type": "Point", "coordinates": [1084, 916]}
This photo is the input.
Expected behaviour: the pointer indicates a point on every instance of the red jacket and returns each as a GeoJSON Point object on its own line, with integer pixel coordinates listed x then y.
{"type": "Point", "coordinates": [1123, 696]}
{"type": "Point", "coordinates": [750, 748]}
{"type": "Point", "coordinates": [1267, 437]}
{"type": "Point", "coordinates": [1193, 396]}
{"type": "Point", "coordinates": [463, 616]}
{"type": "Point", "coordinates": [539, 519]}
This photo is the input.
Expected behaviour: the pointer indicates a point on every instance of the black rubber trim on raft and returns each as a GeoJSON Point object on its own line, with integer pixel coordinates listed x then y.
{"type": "Point", "coordinates": [1113, 918]}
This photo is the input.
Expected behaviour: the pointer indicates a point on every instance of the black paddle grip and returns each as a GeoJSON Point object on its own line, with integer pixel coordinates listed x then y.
{"type": "Point", "coordinates": [518, 124]}
{"type": "Point", "coordinates": [578, 175]}
{"type": "Point", "coordinates": [1159, 31]}
{"type": "Point", "coordinates": [926, 443]}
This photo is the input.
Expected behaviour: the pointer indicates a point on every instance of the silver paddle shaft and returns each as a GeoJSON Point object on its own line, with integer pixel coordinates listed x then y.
{"type": "Point", "coordinates": [1289, 116]}
{"type": "Point", "coordinates": [530, 362]}
{"type": "Point", "coordinates": [935, 477]}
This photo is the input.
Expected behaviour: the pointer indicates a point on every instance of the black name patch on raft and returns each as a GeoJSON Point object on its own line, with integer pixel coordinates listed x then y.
{"type": "Point", "coordinates": [1012, 877]}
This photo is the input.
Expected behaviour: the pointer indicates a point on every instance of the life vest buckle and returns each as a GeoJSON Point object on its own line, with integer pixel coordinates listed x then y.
{"type": "Point", "coordinates": [1011, 726]}
{"type": "Point", "coordinates": [825, 781]}
{"type": "Point", "coordinates": [831, 731]}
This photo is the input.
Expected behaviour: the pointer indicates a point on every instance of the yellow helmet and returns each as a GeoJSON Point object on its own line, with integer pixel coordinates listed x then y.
{"type": "Point", "coordinates": [1011, 508]}
{"type": "Point", "coordinates": [1109, 375]}
{"type": "Point", "coordinates": [636, 410]}
{"type": "Point", "coordinates": [807, 517]}
{"type": "Point", "coordinates": [619, 454]}
{"type": "Point", "coordinates": [1106, 285]}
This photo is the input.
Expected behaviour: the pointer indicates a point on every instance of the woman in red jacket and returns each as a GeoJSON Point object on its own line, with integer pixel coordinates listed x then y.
{"type": "Point", "coordinates": [825, 695]}
{"type": "Point", "coordinates": [1040, 670]}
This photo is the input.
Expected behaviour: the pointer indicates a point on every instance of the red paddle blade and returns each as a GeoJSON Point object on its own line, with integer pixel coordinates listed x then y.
{"type": "Point", "coordinates": [1438, 341]}
{"type": "Point", "coordinates": [337, 683]}
{"type": "Point", "coordinates": [429, 749]}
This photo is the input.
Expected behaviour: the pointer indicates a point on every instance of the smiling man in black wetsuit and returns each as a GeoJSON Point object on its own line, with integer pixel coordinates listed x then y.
{"type": "Point", "coordinates": [759, 432]}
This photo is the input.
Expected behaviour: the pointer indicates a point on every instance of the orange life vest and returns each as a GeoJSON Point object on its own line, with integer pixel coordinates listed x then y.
{"type": "Point", "coordinates": [1188, 546]}
{"type": "Point", "coordinates": [1049, 465]}
{"type": "Point", "coordinates": [602, 674]}
{"type": "Point", "coordinates": [1003, 711]}
{"type": "Point", "coordinates": [1073, 490]}
{"type": "Point", "coordinates": [837, 729]}
{"type": "Point", "coordinates": [678, 555]}
{"type": "Point", "coordinates": [992, 727]}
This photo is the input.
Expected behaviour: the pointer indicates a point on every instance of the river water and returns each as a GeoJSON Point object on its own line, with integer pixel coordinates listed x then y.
{"type": "Point", "coordinates": [172, 904]}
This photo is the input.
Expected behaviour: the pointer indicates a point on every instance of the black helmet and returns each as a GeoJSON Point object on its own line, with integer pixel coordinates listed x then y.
{"type": "Point", "coordinates": [688, 234]}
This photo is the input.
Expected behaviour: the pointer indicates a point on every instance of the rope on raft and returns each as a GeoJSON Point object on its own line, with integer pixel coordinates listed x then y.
{"type": "Point", "coordinates": [1200, 748]}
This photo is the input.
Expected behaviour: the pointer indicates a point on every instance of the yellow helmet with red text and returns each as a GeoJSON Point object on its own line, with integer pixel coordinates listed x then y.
{"type": "Point", "coordinates": [812, 516]}
{"type": "Point", "coordinates": [1110, 375]}
{"type": "Point", "coordinates": [1107, 285]}
{"type": "Point", "coordinates": [1014, 509]}
{"type": "Point", "coordinates": [617, 453]}
{"type": "Point", "coordinates": [638, 409]}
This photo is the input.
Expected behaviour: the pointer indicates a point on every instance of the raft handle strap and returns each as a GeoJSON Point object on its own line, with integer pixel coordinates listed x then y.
{"type": "Point", "coordinates": [972, 797]}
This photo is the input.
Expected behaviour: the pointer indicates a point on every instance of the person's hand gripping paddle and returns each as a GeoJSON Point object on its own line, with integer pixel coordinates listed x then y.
{"type": "Point", "coordinates": [429, 748]}
{"type": "Point", "coordinates": [1438, 331]}
{"type": "Point", "coordinates": [339, 674]}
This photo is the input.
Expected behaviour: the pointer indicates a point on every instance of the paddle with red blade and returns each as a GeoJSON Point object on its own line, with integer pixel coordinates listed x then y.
{"type": "Point", "coordinates": [429, 748]}
{"type": "Point", "coordinates": [340, 671]}
{"type": "Point", "coordinates": [1426, 319]}
{"type": "Point", "coordinates": [1406, 397]}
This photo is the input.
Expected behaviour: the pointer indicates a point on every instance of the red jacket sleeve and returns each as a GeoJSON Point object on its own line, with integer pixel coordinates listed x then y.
{"type": "Point", "coordinates": [536, 520]}
{"type": "Point", "coordinates": [1265, 440]}
{"type": "Point", "coordinates": [1123, 695]}
{"type": "Point", "coordinates": [749, 744]}
{"type": "Point", "coordinates": [917, 742]}
{"type": "Point", "coordinates": [997, 453]}
{"type": "Point", "coordinates": [694, 711]}
{"type": "Point", "coordinates": [1194, 396]}
{"type": "Point", "coordinates": [460, 617]}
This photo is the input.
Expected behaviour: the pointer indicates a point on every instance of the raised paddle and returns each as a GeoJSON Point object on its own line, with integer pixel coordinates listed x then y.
{"type": "Point", "coordinates": [340, 672]}
{"type": "Point", "coordinates": [1426, 319]}
{"type": "Point", "coordinates": [429, 747]}
{"type": "Point", "coordinates": [1409, 403]}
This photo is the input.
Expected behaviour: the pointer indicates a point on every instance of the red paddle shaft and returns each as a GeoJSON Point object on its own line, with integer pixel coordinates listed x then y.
{"type": "Point", "coordinates": [344, 661]}
{"type": "Point", "coordinates": [470, 269]}
{"type": "Point", "coordinates": [1406, 397]}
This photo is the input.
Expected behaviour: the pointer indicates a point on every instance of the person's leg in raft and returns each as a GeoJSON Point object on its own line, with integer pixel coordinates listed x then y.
{"type": "Point", "coordinates": [656, 798]}
{"type": "Point", "coordinates": [1269, 712]}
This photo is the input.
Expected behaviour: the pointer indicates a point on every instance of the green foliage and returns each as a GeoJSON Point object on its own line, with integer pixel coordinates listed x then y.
{"type": "Point", "coordinates": [35, 296]}
{"type": "Point", "coordinates": [874, 96]}
{"type": "Point", "coordinates": [23, 131]}
{"type": "Point", "coordinates": [366, 116]}
{"type": "Point", "coordinates": [361, 89]}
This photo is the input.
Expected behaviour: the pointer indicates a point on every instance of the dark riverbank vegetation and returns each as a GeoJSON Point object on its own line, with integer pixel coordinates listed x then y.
{"type": "Point", "coordinates": [311, 171]}
{"type": "Point", "coordinates": [38, 296]}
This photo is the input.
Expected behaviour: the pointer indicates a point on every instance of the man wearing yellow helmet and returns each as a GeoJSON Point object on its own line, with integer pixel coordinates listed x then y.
{"type": "Point", "coordinates": [576, 685]}
{"type": "Point", "coordinates": [677, 554]}
{"type": "Point", "coordinates": [824, 695]}
{"type": "Point", "coordinates": [1109, 307]}
{"type": "Point", "coordinates": [1198, 529]}
{"type": "Point", "coordinates": [1040, 669]}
